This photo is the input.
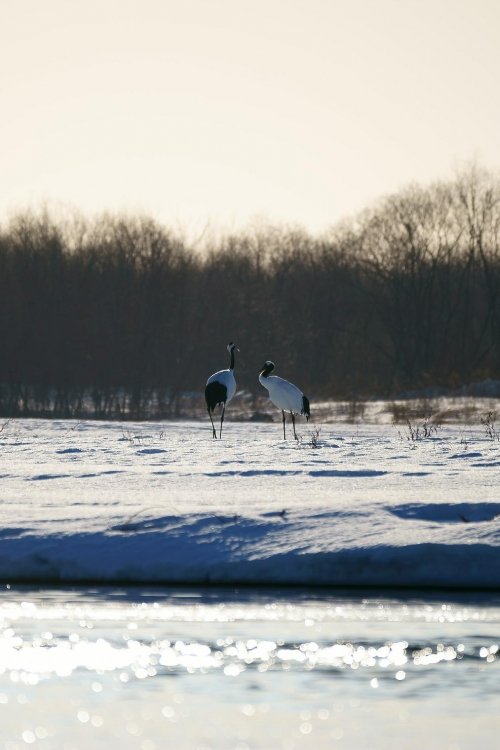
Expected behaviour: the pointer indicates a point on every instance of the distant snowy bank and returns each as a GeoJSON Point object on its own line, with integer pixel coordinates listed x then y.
{"type": "Point", "coordinates": [164, 503]}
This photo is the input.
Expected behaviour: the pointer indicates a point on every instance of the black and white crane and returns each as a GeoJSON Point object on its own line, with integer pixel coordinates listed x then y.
{"type": "Point", "coordinates": [220, 389]}
{"type": "Point", "coordinates": [286, 396]}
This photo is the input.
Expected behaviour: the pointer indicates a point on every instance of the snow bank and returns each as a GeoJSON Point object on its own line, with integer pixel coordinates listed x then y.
{"type": "Point", "coordinates": [153, 503]}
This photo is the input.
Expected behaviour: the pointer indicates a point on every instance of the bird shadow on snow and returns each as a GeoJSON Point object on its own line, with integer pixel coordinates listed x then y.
{"type": "Point", "coordinates": [447, 512]}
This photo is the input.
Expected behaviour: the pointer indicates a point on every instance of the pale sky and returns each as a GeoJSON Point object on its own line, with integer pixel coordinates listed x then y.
{"type": "Point", "coordinates": [228, 111]}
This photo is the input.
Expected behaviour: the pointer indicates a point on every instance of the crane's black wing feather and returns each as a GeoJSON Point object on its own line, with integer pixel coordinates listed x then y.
{"type": "Point", "coordinates": [215, 393]}
{"type": "Point", "coordinates": [305, 407]}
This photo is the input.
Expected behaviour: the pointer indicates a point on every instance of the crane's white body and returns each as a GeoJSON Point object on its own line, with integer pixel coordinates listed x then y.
{"type": "Point", "coordinates": [227, 379]}
{"type": "Point", "coordinates": [286, 396]}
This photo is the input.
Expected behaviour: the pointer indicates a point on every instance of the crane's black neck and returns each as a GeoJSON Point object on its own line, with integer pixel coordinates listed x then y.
{"type": "Point", "coordinates": [231, 366]}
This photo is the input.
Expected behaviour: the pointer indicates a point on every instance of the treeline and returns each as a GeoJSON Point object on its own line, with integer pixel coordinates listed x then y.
{"type": "Point", "coordinates": [120, 317]}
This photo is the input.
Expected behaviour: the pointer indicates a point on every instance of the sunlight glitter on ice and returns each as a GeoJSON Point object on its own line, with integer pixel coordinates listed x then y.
{"type": "Point", "coordinates": [29, 661]}
{"type": "Point", "coordinates": [226, 612]}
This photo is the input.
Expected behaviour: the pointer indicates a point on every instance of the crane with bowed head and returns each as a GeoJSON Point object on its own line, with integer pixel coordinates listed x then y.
{"type": "Point", "coordinates": [286, 396]}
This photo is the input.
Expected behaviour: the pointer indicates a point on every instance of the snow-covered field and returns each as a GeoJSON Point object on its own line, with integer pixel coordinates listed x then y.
{"type": "Point", "coordinates": [164, 503]}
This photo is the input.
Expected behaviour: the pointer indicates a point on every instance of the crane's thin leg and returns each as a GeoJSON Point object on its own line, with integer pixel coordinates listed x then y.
{"type": "Point", "coordinates": [214, 434]}
{"type": "Point", "coordinates": [284, 436]}
{"type": "Point", "coordinates": [221, 420]}
{"type": "Point", "coordinates": [293, 422]}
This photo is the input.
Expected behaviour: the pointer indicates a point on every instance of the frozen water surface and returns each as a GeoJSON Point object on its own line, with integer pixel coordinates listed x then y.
{"type": "Point", "coordinates": [225, 669]}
